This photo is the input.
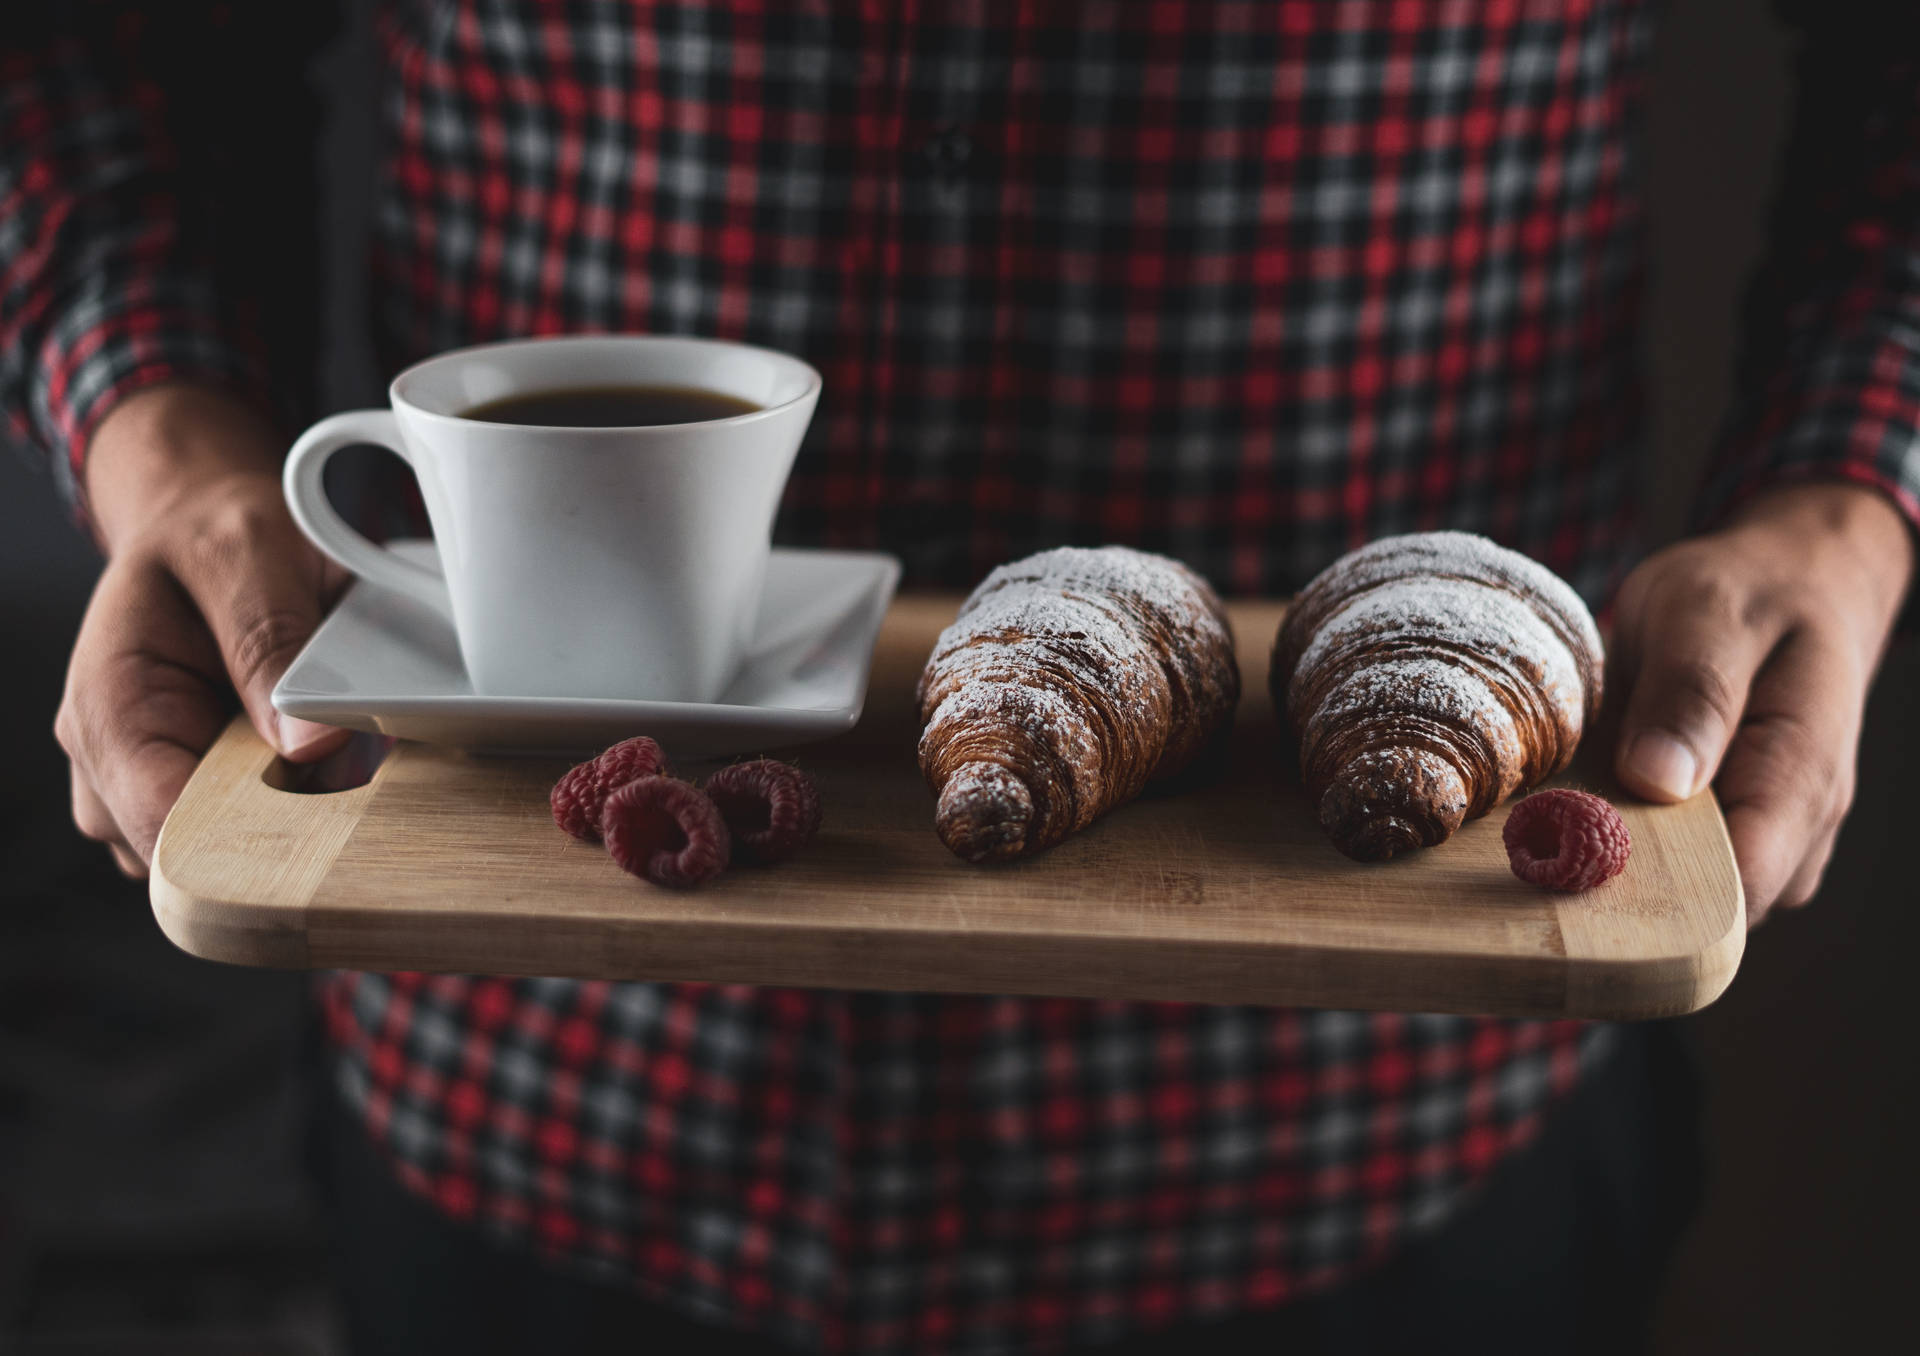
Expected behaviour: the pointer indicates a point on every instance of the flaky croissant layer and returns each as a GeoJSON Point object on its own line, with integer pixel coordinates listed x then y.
{"type": "Point", "coordinates": [1428, 677]}
{"type": "Point", "coordinates": [1069, 680]}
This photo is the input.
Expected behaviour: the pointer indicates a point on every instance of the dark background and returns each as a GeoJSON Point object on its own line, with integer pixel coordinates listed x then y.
{"type": "Point", "coordinates": [150, 1193]}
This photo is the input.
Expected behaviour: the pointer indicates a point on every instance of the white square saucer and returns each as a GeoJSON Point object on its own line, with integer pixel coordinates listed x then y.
{"type": "Point", "coordinates": [386, 664]}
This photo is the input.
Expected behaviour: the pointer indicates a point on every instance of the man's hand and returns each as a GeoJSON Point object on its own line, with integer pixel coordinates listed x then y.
{"type": "Point", "coordinates": [209, 589]}
{"type": "Point", "coordinates": [1745, 655]}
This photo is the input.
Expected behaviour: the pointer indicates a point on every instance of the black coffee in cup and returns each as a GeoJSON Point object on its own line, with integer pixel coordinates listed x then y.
{"type": "Point", "coordinates": [612, 407]}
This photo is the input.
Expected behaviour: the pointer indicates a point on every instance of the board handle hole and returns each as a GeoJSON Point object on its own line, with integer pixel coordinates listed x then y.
{"type": "Point", "coordinates": [351, 765]}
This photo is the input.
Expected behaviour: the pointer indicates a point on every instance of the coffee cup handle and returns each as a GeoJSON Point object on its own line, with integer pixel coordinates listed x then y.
{"type": "Point", "coordinates": [307, 502]}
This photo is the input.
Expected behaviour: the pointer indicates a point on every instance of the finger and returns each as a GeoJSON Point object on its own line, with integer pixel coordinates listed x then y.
{"type": "Point", "coordinates": [130, 865]}
{"type": "Point", "coordinates": [1800, 891]}
{"type": "Point", "coordinates": [95, 821]}
{"type": "Point", "coordinates": [90, 814]}
{"type": "Point", "coordinates": [1694, 657]}
{"type": "Point", "coordinates": [1787, 779]}
{"type": "Point", "coordinates": [145, 784]}
{"type": "Point", "coordinates": [144, 699]}
{"type": "Point", "coordinates": [258, 584]}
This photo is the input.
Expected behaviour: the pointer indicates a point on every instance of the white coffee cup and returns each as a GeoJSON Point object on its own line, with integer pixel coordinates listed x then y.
{"type": "Point", "coordinates": [580, 562]}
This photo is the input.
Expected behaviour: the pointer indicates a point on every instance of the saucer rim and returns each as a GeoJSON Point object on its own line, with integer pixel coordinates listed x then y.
{"type": "Point", "coordinates": [886, 571]}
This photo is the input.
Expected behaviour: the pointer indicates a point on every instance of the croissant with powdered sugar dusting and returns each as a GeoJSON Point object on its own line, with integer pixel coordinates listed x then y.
{"type": "Point", "coordinates": [1428, 677]}
{"type": "Point", "coordinates": [1069, 680]}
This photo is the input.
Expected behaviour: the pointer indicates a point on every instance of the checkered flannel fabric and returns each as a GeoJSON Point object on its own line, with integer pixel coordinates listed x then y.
{"type": "Point", "coordinates": [876, 1172]}
{"type": "Point", "coordinates": [145, 229]}
{"type": "Point", "coordinates": [1250, 283]}
{"type": "Point", "coordinates": [1830, 376]}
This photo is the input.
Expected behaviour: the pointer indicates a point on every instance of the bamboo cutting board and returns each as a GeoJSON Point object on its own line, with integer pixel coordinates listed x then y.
{"type": "Point", "coordinates": [1225, 894]}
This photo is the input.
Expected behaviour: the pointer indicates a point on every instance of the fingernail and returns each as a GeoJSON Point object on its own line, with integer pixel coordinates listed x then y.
{"type": "Point", "coordinates": [296, 734]}
{"type": "Point", "coordinates": [1662, 761]}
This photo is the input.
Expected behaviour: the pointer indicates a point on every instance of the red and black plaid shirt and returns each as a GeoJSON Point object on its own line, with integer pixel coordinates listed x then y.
{"type": "Point", "coordinates": [1249, 283]}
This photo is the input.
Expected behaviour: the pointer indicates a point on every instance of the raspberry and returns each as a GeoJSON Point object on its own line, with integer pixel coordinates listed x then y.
{"type": "Point", "coordinates": [771, 807]}
{"type": "Point", "coordinates": [666, 830]}
{"type": "Point", "coordinates": [579, 797]}
{"type": "Point", "coordinates": [1566, 840]}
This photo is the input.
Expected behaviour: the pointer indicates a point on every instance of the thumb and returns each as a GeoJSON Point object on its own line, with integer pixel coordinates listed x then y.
{"type": "Point", "coordinates": [1695, 661]}
{"type": "Point", "coordinates": [258, 583]}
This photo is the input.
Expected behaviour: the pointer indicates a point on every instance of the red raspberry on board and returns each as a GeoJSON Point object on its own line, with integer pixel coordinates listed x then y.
{"type": "Point", "coordinates": [579, 797]}
{"type": "Point", "coordinates": [666, 830]}
{"type": "Point", "coordinates": [771, 808]}
{"type": "Point", "coordinates": [1566, 840]}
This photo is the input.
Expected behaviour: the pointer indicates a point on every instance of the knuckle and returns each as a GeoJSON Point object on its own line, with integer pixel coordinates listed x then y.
{"type": "Point", "coordinates": [1691, 576]}
{"type": "Point", "coordinates": [120, 698]}
{"type": "Point", "coordinates": [264, 636]}
{"type": "Point", "coordinates": [77, 719]}
{"type": "Point", "coordinates": [1841, 801]}
{"type": "Point", "coordinates": [225, 537]}
{"type": "Point", "coordinates": [92, 818]}
{"type": "Point", "coordinates": [1790, 752]}
{"type": "Point", "coordinates": [1703, 683]}
{"type": "Point", "coordinates": [1787, 765]}
{"type": "Point", "coordinates": [1826, 776]}
{"type": "Point", "coordinates": [236, 525]}
{"type": "Point", "coordinates": [1705, 588]}
{"type": "Point", "coordinates": [1801, 893]}
{"type": "Point", "coordinates": [84, 724]}
{"type": "Point", "coordinates": [1768, 887]}
{"type": "Point", "coordinates": [92, 825]}
{"type": "Point", "coordinates": [66, 732]}
{"type": "Point", "coordinates": [1730, 594]}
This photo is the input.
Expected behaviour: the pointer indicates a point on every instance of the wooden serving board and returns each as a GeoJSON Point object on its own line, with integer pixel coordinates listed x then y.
{"type": "Point", "coordinates": [1224, 894]}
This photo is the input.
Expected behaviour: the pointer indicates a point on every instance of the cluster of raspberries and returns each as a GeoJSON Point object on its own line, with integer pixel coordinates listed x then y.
{"type": "Point", "coordinates": [681, 835]}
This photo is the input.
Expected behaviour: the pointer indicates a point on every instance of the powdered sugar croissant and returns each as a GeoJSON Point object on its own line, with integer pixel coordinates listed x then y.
{"type": "Point", "coordinates": [1069, 680]}
{"type": "Point", "coordinates": [1428, 678]}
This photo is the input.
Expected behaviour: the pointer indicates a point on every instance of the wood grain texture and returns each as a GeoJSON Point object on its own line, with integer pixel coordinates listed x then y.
{"type": "Point", "coordinates": [1225, 892]}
